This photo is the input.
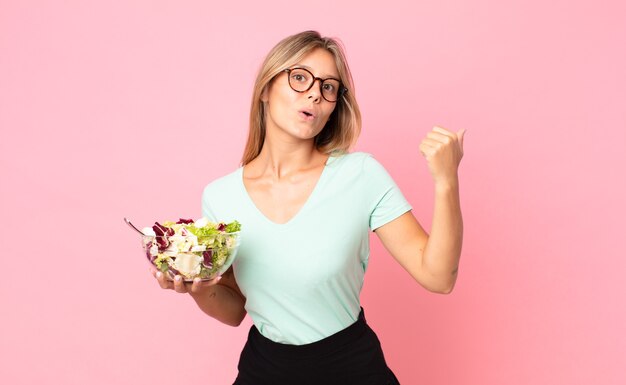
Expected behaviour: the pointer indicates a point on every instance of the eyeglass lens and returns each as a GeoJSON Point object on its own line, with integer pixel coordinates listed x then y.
{"type": "Point", "coordinates": [302, 80]}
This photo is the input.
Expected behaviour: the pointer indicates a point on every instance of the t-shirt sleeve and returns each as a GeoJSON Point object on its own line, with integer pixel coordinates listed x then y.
{"type": "Point", "coordinates": [385, 200]}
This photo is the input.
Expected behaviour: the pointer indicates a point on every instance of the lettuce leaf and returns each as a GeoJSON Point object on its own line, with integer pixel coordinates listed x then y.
{"type": "Point", "coordinates": [233, 227]}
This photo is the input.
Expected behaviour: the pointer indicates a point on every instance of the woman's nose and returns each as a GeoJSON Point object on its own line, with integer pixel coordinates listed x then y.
{"type": "Point", "coordinates": [315, 92]}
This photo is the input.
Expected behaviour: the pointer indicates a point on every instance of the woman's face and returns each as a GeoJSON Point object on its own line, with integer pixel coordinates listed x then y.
{"type": "Point", "coordinates": [300, 115]}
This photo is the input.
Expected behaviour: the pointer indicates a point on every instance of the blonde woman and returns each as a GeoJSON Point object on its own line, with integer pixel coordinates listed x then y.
{"type": "Point", "coordinates": [307, 206]}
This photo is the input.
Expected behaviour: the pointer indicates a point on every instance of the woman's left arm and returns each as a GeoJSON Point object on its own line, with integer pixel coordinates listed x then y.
{"type": "Point", "coordinates": [433, 260]}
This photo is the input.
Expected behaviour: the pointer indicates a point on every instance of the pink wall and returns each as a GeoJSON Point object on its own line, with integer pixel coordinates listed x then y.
{"type": "Point", "coordinates": [128, 108]}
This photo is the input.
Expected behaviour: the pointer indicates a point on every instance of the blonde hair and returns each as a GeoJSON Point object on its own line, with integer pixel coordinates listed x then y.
{"type": "Point", "coordinates": [344, 125]}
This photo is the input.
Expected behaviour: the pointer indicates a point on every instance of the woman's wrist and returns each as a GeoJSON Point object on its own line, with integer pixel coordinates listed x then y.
{"type": "Point", "coordinates": [446, 185]}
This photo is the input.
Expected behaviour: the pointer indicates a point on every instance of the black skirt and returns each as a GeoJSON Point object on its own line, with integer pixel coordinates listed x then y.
{"type": "Point", "coordinates": [352, 356]}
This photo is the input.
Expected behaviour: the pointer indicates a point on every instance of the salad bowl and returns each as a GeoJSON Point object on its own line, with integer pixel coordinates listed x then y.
{"type": "Point", "coordinates": [192, 249]}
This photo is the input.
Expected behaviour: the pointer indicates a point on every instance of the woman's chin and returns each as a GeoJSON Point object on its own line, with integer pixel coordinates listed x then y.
{"type": "Point", "coordinates": [301, 133]}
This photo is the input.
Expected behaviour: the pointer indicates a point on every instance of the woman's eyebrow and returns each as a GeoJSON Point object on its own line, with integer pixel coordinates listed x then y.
{"type": "Point", "coordinates": [324, 76]}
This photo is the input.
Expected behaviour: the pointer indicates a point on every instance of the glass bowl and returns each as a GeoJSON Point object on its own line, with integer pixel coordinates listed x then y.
{"type": "Point", "coordinates": [190, 257]}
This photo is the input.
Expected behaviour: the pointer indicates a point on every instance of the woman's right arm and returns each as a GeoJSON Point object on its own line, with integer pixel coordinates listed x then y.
{"type": "Point", "coordinates": [219, 298]}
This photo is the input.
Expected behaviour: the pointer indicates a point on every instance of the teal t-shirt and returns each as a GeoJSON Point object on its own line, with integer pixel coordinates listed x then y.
{"type": "Point", "coordinates": [302, 279]}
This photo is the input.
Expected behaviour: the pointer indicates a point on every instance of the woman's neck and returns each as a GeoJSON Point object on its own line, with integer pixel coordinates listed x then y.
{"type": "Point", "coordinates": [284, 159]}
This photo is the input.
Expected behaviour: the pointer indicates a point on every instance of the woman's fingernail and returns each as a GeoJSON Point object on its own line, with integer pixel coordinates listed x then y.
{"type": "Point", "coordinates": [159, 274]}
{"type": "Point", "coordinates": [177, 278]}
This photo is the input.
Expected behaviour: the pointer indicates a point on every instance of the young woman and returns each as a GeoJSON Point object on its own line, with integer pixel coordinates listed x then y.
{"type": "Point", "coordinates": [306, 207]}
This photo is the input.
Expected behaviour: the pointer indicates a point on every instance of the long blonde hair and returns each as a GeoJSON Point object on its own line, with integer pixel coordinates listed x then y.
{"type": "Point", "coordinates": [344, 125]}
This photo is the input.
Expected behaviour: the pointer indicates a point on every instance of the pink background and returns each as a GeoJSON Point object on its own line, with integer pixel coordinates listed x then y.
{"type": "Point", "coordinates": [128, 108]}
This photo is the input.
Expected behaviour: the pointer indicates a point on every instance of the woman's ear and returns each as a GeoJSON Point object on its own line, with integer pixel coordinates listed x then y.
{"type": "Point", "coordinates": [264, 94]}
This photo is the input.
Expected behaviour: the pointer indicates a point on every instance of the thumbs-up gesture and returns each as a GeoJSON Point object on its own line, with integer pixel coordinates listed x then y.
{"type": "Point", "coordinates": [443, 151]}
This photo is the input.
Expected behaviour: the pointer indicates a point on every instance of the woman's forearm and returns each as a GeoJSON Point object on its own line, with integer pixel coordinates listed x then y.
{"type": "Point", "coordinates": [443, 249]}
{"type": "Point", "coordinates": [222, 303]}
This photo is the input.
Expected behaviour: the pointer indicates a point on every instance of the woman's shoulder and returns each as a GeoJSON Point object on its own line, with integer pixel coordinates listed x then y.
{"type": "Point", "coordinates": [348, 158]}
{"type": "Point", "coordinates": [355, 160]}
{"type": "Point", "coordinates": [360, 165]}
{"type": "Point", "coordinates": [225, 184]}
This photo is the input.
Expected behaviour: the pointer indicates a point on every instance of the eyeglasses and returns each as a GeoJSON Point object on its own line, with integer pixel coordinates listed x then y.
{"type": "Point", "coordinates": [301, 80]}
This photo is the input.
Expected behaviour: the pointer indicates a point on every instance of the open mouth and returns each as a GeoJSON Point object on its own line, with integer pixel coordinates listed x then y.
{"type": "Point", "coordinates": [307, 115]}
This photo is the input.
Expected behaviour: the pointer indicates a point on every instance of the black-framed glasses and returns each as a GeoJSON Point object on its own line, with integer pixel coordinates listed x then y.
{"type": "Point", "coordinates": [301, 80]}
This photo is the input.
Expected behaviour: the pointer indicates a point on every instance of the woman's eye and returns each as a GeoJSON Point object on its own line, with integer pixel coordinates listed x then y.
{"type": "Point", "coordinates": [329, 87]}
{"type": "Point", "coordinates": [299, 77]}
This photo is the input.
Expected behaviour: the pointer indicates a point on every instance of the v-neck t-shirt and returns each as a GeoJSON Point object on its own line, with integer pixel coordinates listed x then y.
{"type": "Point", "coordinates": [302, 279]}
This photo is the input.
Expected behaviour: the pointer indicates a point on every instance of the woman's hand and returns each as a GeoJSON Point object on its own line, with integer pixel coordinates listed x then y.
{"type": "Point", "coordinates": [224, 302]}
{"type": "Point", "coordinates": [180, 286]}
{"type": "Point", "coordinates": [443, 151]}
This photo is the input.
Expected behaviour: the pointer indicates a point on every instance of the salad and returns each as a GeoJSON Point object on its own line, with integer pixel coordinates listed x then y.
{"type": "Point", "coordinates": [191, 248]}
